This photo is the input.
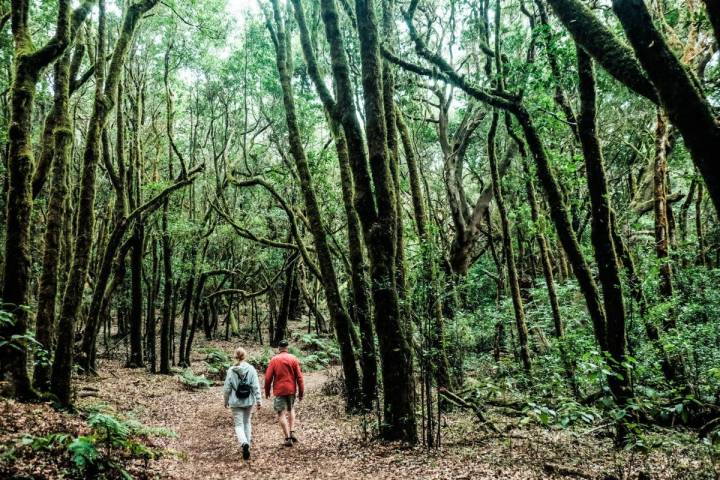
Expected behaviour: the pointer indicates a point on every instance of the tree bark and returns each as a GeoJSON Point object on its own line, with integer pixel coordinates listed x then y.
{"type": "Point", "coordinates": [136, 299]}
{"type": "Point", "coordinates": [395, 351]}
{"type": "Point", "coordinates": [61, 138]}
{"type": "Point", "coordinates": [28, 63]}
{"type": "Point", "coordinates": [361, 309]}
{"type": "Point", "coordinates": [508, 248]}
{"type": "Point", "coordinates": [597, 39]}
{"type": "Point", "coordinates": [662, 229]}
{"type": "Point", "coordinates": [376, 212]}
{"type": "Point", "coordinates": [601, 236]}
{"type": "Point", "coordinates": [699, 230]}
{"type": "Point", "coordinates": [284, 313]}
{"type": "Point", "coordinates": [340, 319]}
{"type": "Point", "coordinates": [104, 102]}
{"type": "Point", "coordinates": [671, 368]}
{"type": "Point", "coordinates": [433, 305]}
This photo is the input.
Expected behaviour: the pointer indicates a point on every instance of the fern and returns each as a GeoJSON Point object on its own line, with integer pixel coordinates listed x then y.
{"type": "Point", "coordinates": [194, 382]}
{"type": "Point", "coordinates": [83, 452]}
{"type": "Point", "coordinates": [109, 429]}
{"type": "Point", "coordinates": [53, 441]}
{"type": "Point", "coordinates": [217, 362]}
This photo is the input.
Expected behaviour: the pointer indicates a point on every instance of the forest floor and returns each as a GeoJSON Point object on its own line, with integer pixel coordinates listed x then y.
{"type": "Point", "coordinates": [333, 445]}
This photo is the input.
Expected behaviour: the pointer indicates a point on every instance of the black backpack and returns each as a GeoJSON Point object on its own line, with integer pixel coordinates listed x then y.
{"type": "Point", "coordinates": [243, 389]}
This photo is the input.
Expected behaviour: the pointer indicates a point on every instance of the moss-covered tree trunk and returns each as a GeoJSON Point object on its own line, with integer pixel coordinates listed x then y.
{"type": "Point", "coordinates": [61, 137]}
{"type": "Point", "coordinates": [699, 229]}
{"type": "Point", "coordinates": [168, 318]}
{"type": "Point", "coordinates": [361, 309]}
{"type": "Point", "coordinates": [136, 299]}
{"type": "Point", "coordinates": [391, 140]}
{"type": "Point", "coordinates": [381, 238]}
{"type": "Point", "coordinates": [376, 212]}
{"type": "Point", "coordinates": [187, 307]}
{"type": "Point", "coordinates": [340, 318]}
{"type": "Point", "coordinates": [104, 102]}
{"type": "Point", "coordinates": [28, 64]}
{"type": "Point", "coordinates": [508, 249]}
{"type": "Point", "coordinates": [601, 234]}
{"type": "Point", "coordinates": [662, 227]}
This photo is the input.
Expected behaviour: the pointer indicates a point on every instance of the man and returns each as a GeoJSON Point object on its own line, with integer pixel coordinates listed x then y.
{"type": "Point", "coordinates": [286, 378]}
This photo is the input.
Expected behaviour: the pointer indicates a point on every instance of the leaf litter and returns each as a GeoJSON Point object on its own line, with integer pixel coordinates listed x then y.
{"type": "Point", "coordinates": [332, 445]}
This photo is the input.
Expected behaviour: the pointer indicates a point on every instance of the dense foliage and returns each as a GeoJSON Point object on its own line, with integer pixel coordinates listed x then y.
{"type": "Point", "coordinates": [465, 202]}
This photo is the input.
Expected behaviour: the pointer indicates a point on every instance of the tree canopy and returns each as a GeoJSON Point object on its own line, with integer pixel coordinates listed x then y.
{"type": "Point", "coordinates": [517, 193]}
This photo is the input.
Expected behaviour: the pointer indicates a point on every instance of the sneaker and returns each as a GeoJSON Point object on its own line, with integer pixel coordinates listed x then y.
{"type": "Point", "coordinates": [293, 438]}
{"type": "Point", "coordinates": [288, 442]}
{"type": "Point", "coordinates": [246, 451]}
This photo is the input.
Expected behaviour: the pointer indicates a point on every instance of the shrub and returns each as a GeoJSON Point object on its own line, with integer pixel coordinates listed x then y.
{"type": "Point", "coordinates": [261, 361]}
{"type": "Point", "coordinates": [217, 362]}
{"type": "Point", "coordinates": [325, 352]}
{"type": "Point", "coordinates": [104, 453]}
{"type": "Point", "coordinates": [194, 382]}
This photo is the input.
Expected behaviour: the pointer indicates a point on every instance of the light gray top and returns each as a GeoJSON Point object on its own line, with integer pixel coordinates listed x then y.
{"type": "Point", "coordinates": [232, 379]}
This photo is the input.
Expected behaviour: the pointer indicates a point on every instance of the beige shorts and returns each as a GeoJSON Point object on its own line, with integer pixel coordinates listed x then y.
{"type": "Point", "coordinates": [282, 403]}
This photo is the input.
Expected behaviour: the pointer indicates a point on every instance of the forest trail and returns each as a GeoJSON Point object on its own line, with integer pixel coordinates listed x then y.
{"type": "Point", "coordinates": [331, 445]}
{"type": "Point", "coordinates": [334, 446]}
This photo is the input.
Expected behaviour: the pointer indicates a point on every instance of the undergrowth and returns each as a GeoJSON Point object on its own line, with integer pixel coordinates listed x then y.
{"type": "Point", "coordinates": [106, 447]}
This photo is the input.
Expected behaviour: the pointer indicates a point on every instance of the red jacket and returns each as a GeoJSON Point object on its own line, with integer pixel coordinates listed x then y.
{"type": "Point", "coordinates": [285, 376]}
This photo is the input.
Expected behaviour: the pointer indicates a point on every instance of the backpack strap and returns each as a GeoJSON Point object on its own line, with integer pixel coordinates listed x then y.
{"type": "Point", "coordinates": [243, 378]}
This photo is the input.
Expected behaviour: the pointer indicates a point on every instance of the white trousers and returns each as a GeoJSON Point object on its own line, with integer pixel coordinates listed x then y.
{"type": "Point", "coordinates": [242, 417]}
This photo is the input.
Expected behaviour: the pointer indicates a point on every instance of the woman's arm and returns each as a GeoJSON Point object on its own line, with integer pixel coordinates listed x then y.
{"type": "Point", "coordinates": [256, 388]}
{"type": "Point", "coordinates": [227, 387]}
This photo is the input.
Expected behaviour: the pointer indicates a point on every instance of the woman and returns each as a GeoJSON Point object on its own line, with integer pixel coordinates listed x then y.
{"type": "Point", "coordinates": [242, 391]}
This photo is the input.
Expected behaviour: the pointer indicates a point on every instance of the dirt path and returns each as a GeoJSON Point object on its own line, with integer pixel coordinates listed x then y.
{"type": "Point", "coordinates": [207, 438]}
{"type": "Point", "coordinates": [331, 445]}
{"type": "Point", "coordinates": [334, 447]}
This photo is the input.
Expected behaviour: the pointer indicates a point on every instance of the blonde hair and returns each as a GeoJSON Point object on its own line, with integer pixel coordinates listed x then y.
{"type": "Point", "coordinates": [240, 354]}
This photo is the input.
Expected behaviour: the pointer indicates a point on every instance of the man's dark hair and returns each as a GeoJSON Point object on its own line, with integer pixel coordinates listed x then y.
{"type": "Point", "coordinates": [283, 344]}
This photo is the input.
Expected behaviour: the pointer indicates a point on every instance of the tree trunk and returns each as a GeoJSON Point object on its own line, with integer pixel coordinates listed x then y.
{"type": "Point", "coordinates": [150, 316]}
{"type": "Point", "coordinates": [376, 212]}
{"type": "Point", "coordinates": [284, 314]}
{"type": "Point", "coordinates": [662, 229]}
{"type": "Point", "coordinates": [61, 138]}
{"type": "Point", "coordinates": [671, 368]}
{"type": "Point", "coordinates": [167, 313]}
{"type": "Point", "coordinates": [433, 305]}
{"type": "Point", "coordinates": [361, 303]}
{"type": "Point", "coordinates": [508, 248]}
{"type": "Point", "coordinates": [601, 236]}
{"type": "Point", "coordinates": [136, 299]}
{"type": "Point", "coordinates": [104, 102]}
{"type": "Point", "coordinates": [187, 308]}
{"type": "Point", "coordinates": [340, 318]}
{"type": "Point", "coordinates": [699, 230]}
{"type": "Point", "coordinates": [27, 66]}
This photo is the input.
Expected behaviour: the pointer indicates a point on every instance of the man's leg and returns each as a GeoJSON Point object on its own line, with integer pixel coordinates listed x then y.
{"type": "Point", "coordinates": [283, 424]}
{"type": "Point", "coordinates": [291, 420]}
